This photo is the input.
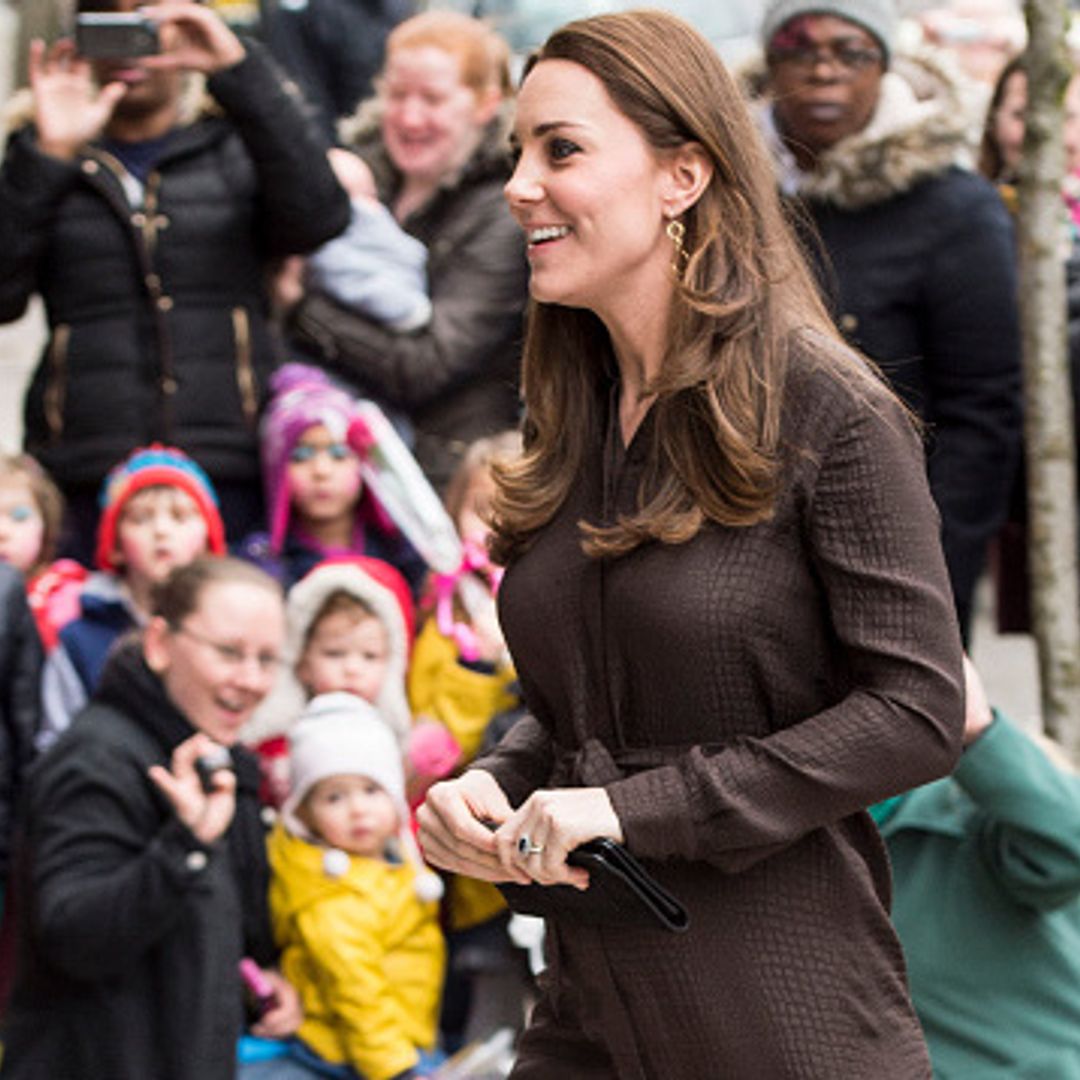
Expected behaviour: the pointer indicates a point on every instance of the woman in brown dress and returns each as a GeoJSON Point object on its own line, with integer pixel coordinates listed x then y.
{"type": "Point", "coordinates": [725, 596]}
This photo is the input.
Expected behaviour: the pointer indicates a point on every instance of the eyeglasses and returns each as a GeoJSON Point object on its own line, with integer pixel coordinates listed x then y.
{"type": "Point", "coordinates": [337, 451]}
{"type": "Point", "coordinates": [232, 656]}
{"type": "Point", "coordinates": [806, 56]}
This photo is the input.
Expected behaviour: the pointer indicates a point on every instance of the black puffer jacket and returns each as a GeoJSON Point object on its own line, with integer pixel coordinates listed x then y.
{"type": "Point", "coordinates": [20, 704]}
{"type": "Point", "coordinates": [158, 316]}
{"type": "Point", "coordinates": [919, 267]}
{"type": "Point", "coordinates": [456, 379]}
{"type": "Point", "coordinates": [131, 930]}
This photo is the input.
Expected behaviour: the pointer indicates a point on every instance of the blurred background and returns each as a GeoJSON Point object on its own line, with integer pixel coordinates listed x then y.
{"type": "Point", "coordinates": [981, 35]}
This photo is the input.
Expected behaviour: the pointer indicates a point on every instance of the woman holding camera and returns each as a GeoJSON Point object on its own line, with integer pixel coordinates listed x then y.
{"type": "Point", "coordinates": [725, 597]}
{"type": "Point", "coordinates": [142, 873]}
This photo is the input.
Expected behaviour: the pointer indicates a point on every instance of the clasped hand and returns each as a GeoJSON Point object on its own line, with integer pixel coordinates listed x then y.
{"type": "Point", "coordinates": [456, 830]}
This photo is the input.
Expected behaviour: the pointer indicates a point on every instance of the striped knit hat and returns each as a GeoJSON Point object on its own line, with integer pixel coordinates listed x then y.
{"type": "Point", "coordinates": [155, 466]}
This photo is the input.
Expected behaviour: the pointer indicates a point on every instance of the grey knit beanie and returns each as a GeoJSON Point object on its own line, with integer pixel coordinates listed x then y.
{"type": "Point", "coordinates": [878, 17]}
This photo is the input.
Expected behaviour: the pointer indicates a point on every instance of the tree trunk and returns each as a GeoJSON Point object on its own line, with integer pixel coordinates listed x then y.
{"type": "Point", "coordinates": [1048, 424]}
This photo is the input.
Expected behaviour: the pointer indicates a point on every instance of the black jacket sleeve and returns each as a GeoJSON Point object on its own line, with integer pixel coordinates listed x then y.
{"type": "Point", "coordinates": [20, 705]}
{"type": "Point", "coordinates": [301, 203]}
{"type": "Point", "coordinates": [32, 185]}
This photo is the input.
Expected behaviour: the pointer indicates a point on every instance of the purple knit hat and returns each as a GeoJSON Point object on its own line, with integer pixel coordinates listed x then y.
{"type": "Point", "coordinates": [304, 397]}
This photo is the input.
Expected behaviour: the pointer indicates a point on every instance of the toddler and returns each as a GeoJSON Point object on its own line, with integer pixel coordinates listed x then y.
{"type": "Point", "coordinates": [158, 511]}
{"type": "Point", "coordinates": [312, 441]}
{"type": "Point", "coordinates": [353, 907]}
{"type": "Point", "coordinates": [349, 628]}
{"type": "Point", "coordinates": [31, 513]}
{"type": "Point", "coordinates": [374, 267]}
{"type": "Point", "coordinates": [461, 677]}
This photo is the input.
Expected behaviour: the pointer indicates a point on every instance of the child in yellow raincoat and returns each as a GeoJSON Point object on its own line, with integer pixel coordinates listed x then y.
{"type": "Point", "coordinates": [354, 909]}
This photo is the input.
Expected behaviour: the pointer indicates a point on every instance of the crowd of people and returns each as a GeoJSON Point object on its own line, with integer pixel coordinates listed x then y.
{"type": "Point", "coordinates": [435, 498]}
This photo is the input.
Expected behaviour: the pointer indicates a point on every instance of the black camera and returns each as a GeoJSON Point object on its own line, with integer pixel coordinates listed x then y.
{"type": "Point", "coordinates": [210, 763]}
{"type": "Point", "coordinates": [113, 35]}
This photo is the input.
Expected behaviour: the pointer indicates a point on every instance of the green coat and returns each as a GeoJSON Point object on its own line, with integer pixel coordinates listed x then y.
{"type": "Point", "coordinates": [986, 867]}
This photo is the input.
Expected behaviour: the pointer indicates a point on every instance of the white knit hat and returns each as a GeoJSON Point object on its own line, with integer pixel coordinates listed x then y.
{"type": "Point", "coordinates": [342, 735]}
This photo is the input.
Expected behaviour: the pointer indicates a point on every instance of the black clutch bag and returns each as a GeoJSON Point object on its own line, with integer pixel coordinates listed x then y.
{"type": "Point", "coordinates": [621, 891]}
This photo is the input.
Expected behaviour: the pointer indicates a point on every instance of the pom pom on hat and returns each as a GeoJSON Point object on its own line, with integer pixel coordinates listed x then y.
{"type": "Point", "coordinates": [878, 17]}
{"type": "Point", "coordinates": [155, 466]}
{"type": "Point", "coordinates": [342, 735]}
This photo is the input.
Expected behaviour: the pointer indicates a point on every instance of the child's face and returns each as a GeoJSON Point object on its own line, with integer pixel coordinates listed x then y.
{"type": "Point", "coordinates": [346, 653]}
{"type": "Point", "coordinates": [352, 813]}
{"type": "Point", "coordinates": [159, 529]}
{"type": "Point", "coordinates": [324, 477]}
{"type": "Point", "coordinates": [22, 527]}
{"type": "Point", "coordinates": [474, 517]}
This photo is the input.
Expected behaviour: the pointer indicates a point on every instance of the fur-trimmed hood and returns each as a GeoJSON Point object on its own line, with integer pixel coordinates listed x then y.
{"type": "Point", "coordinates": [922, 126]}
{"type": "Point", "coordinates": [384, 591]}
{"type": "Point", "coordinates": [362, 132]}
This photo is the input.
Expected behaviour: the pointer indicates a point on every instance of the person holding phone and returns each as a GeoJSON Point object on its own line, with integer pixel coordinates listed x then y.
{"type": "Point", "coordinates": [144, 198]}
{"type": "Point", "coordinates": [141, 877]}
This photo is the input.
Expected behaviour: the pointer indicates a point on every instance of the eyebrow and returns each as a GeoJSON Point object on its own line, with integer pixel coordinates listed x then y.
{"type": "Point", "coordinates": [545, 128]}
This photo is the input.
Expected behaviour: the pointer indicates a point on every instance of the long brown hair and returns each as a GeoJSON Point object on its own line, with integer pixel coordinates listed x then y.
{"type": "Point", "coordinates": [991, 161]}
{"type": "Point", "coordinates": [714, 455]}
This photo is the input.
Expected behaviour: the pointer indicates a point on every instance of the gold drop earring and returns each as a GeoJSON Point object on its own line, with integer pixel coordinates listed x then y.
{"type": "Point", "coordinates": [676, 231]}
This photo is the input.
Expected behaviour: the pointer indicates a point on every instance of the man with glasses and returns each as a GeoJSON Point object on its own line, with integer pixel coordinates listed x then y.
{"type": "Point", "coordinates": [913, 250]}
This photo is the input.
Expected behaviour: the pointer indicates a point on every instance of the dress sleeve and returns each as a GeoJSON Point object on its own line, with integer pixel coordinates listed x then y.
{"type": "Point", "coordinates": [871, 533]}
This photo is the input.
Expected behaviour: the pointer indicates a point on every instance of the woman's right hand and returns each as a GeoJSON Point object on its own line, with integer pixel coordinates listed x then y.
{"type": "Point", "coordinates": [206, 814]}
{"type": "Point", "coordinates": [456, 822]}
{"type": "Point", "coordinates": [69, 109]}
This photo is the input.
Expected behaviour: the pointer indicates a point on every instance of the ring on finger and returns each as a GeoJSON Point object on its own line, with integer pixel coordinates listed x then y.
{"type": "Point", "coordinates": [526, 847]}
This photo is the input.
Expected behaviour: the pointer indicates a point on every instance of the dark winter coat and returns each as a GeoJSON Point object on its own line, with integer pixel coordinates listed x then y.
{"type": "Point", "coordinates": [742, 697]}
{"type": "Point", "coordinates": [131, 929]}
{"type": "Point", "coordinates": [158, 316]}
{"type": "Point", "coordinates": [20, 705]}
{"type": "Point", "coordinates": [456, 379]}
{"type": "Point", "coordinates": [333, 48]}
{"type": "Point", "coordinates": [917, 259]}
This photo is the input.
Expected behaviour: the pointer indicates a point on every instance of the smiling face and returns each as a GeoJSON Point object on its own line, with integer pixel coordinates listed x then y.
{"type": "Point", "coordinates": [590, 194]}
{"type": "Point", "coordinates": [825, 76]}
{"type": "Point", "coordinates": [221, 661]}
{"type": "Point", "coordinates": [22, 528]}
{"type": "Point", "coordinates": [432, 121]}
{"type": "Point", "coordinates": [352, 813]}
{"type": "Point", "coordinates": [347, 650]}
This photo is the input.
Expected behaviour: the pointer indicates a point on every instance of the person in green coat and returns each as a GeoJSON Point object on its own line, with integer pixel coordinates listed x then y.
{"type": "Point", "coordinates": [986, 868]}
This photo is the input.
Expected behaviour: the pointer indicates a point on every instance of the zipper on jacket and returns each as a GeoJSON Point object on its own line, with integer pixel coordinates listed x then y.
{"type": "Point", "coordinates": [56, 381]}
{"type": "Point", "coordinates": [245, 372]}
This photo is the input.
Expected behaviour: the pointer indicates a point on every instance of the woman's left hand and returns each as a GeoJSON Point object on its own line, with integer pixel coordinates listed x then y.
{"type": "Point", "coordinates": [285, 1016]}
{"type": "Point", "coordinates": [537, 838]}
{"type": "Point", "coordinates": [193, 38]}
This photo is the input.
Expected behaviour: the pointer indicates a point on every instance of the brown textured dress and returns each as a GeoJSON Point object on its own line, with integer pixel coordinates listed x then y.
{"type": "Point", "coordinates": [742, 697]}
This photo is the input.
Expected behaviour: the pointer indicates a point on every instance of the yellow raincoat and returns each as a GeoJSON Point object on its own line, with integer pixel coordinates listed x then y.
{"type": "Point", "coordinates": [365, 953]}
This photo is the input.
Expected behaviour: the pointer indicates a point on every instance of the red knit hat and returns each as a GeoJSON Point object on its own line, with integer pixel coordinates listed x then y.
{"type": "Point", "coordinates": [155, 466]}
